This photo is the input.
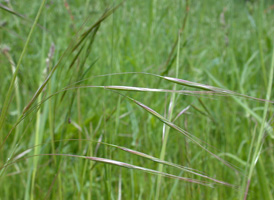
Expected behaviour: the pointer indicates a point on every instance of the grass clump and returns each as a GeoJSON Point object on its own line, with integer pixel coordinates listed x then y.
{"type": "Point", "coordinates": [136, 100]}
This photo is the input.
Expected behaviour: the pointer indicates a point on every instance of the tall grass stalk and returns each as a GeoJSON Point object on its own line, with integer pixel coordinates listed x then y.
{"type": "Point", "coordinates": [166, 128]}
{"type": "Point", "coordinates": [259, 143]}
{"type": "Point", "coordinates": [40, 121]}
{"type": "Point", "coordinates": [36, 151]}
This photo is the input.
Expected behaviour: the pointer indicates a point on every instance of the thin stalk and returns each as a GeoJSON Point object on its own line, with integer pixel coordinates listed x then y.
{"type": "Point", "coordinates": [259, 34]}
{"type": "Point", "coordinates": [36, 150]}
{"type": "Point", "coordinates": [242, 194]}
{"type": "Point", "coordinates": [51, 121]}
{"type": "Point", "coordinates": [167, 128]}
{"type": "Point", "coordinates": [259, 143]}
{"type": "Point", "coordinates": [90, 166]}
{"type": "Point", "coordinates": [38, 125]}
{"type": "Point", "coordinates": [79, 117]}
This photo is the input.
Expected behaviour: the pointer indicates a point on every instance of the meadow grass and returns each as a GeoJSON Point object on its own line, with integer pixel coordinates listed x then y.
{"type": "Point", "coordinates": [136, 99]}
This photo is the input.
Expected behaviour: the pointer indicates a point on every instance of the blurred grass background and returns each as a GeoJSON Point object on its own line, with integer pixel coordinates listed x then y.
{"type": "Point", "coordinates": [226, 44]}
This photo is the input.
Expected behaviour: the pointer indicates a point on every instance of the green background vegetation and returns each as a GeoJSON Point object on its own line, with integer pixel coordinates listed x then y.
{"type": "Point", "coordinates": [226, 44]}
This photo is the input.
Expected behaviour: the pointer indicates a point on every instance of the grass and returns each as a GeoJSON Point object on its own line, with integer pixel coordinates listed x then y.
{"type": "Point", "coordinates": [136, 99]}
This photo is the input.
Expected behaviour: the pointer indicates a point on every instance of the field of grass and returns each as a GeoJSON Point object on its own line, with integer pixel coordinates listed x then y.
{"type": "Point", "coordinates": [152, 99]}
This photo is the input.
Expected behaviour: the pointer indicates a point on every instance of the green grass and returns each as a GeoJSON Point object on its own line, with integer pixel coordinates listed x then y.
{"type": "Point", "coordinates": [148, 99]}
